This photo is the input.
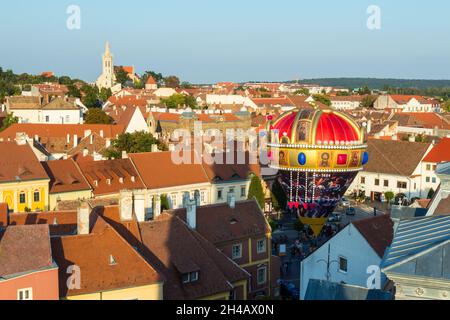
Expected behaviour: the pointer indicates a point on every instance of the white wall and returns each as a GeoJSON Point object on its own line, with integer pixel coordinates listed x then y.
{"type": "Point", "coordinates": [349, 244]}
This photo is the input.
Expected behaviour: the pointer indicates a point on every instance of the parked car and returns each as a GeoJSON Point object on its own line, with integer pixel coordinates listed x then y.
{"type": "Point", "coordinates": [334, 218]}
{"type": "Point", "coordinates": [345, 202]}
{"type": "Point", "coordinates": [350, 211]}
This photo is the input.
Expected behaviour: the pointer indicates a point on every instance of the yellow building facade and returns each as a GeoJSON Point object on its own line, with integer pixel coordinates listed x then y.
{"type": "Point", "coordinates": [22, 196]}
{"type": "Point", "coordinates": [150, 292]}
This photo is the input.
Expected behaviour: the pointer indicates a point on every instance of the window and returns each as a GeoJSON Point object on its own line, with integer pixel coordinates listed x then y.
{"type": "Point", "coordinates": [243, 192]}
{"type": "Point", "coordinates": [428, 167]}
{"type": "Point", "coordinates": [261, 246]}
{"type": "Point", "coordinates": [434, 167]}
{"type": "Point", "coordinates": [203, 196]}
{"type": "Point", "coordinates": [377, 182]}
{"type": "Point", "coordinates": [401, 185]}
{"type": "Point", "coordinates": [194, 276]}
{"type": "Point", "coordinates": [190, 277]}
{"type": "Point", "coordinates": [428, 179]}
{"type": "Point", "coordinates": [231, 191]}
{"type": "Point", "coordinates": [363, 180]}
{"type": "Point", "coordinates": [173, 199]}
{"type": "Point", "coordinates": [37, 196]}
{"type": "Point", "coordinates": [67, 118]}
{"type": "Point", "coordinates": [112, 260]}
{"type": "Point", "coordinates": [434, 180]}
{"type": "Point", "coordinates": [343, 264]}
{"type": "Point", "coordinates": [262, 275]}
{"type": "Point", "coordinates": [22, 198]}
{"type": "Point", "coordinates": [236, 252]}
{"type": "Point", "coordinates": [219, 194]}
{"type": "Point", "coordinates": [47, 119]}
{"type": "Point", "coordinates": [386, 183]}
{"type": "Point", "coordinates": [25, 294]}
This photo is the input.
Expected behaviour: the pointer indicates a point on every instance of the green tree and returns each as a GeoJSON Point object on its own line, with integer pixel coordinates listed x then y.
{"type": "Point", "coordinates": [97, 116]}
{"type": "Point", "coordinates": [178, 100]}
{"type": "Point", "coordinates": [368, 102]}
{"type": "Point", "coordinates": [446, 106]}
{"type": "Point", "coordinates": [122, 76]}
{"type": "Point", "coordinates": [256, 191]}
{"type": "Point", "coordinates": [322, 98]}
{"type": "Point", "coordinates": [158, 77]}
{"type": "Point", "coordinates": [172, 82]}
{"type": "Point", "coordinates": [364, 91]}
{"type": "Point", "coordinates": [164, 202]}
{"type": "Point", "coordinates": [9, 121]}
{"type": "Point", "coordinates": [90, 98]}
{"type": "Point", "coordinates": [73, 91]}
{"type": "Point", "coordinates": [302, 91]}
{"type": "Point", "coordinates": [105, 94]}
{"type": "Point", "coordinates": [389, 196]}
{"type": "Point", "coordinates": [279, 198]}
{"type": "Point", "coordinates": [132, 143]}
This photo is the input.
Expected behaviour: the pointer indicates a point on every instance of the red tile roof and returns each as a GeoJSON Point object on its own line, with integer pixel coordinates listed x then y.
{"type": "Point", "coordinates": [59, 222]}
{"type": "Point", "coordinates": [111, 176]}
{"type": "Point", "coordinates": [378, 231]}
{"type": "Point", "coordinates": [175, 249]}
{"type": "Point", "coordinates": [220, 223]}
{"type": "Point", "coordinates": [61, 130]}
{"type": "Point", "coordinates": [92, 253]}
{"type": "Point", "coordinates": [440, 152]}
{"type": "Point", "coordinates": [158, 170]}
{"type": "Point", "coordinates": [65, 176]}
{"type": "Point", "coordinates": [19, 163]}
{"type": "Point", "coordinates": [24, 249]}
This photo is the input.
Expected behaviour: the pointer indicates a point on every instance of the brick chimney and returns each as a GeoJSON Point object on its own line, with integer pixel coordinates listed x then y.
{"type": "Point", "coordinates": [83, 221]}
{"type": "Point", "coordinates": [157, 210]}
{"type": "Point", "coordinates": [126, 205]}
{"type": "Point", "coordinates": [191, 214]}
{"type": "Point", "coordinates": [139, 205]}
{"type": "Point", "coordinates": [231, 200]}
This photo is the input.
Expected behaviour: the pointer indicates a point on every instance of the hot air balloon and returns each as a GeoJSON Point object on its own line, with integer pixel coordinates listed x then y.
{"type": "Point", "coordinates": [318, 154]}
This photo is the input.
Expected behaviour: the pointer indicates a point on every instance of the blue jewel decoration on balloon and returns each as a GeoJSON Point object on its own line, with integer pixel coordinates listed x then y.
{"type": "Point", "coordinates": [365, 159]}
{"type": "Point", "coordinates": [302, 159]}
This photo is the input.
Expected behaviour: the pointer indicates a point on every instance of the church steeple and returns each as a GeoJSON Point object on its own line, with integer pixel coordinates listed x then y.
{"type": "Point", "coordinates": [107, 79]}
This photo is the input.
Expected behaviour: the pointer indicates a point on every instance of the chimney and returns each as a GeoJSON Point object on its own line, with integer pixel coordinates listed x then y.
{"type": "Point", "coordinates": [101, 133]}
{"type": "Point", "coordinates": [197, 198]}
{"type": "Point", "coordinates": [21, 138]}
{"type": "Point", "coordinates": [369, 126]}
{"type": "Point", "coordinates": [186, 199]}
{"type": "Point", "coordinates": [191, 214]}
{"type": "Point", "coordinates": [85, 152]}
{"type": "Point", "coordinates": [124, 155]}
{"type": "Point", "coordinates": [157, 210]}
{"type": "Point", "coordinates": [126, 205]}
{"type": "Point", "coordinates": [139, 205]}
{"type": "Point", "coordinates": [412, 138]}
{"type": "Point", "coordinates": [36, 138]}
{"type": "Point", "coordinates": [4, 215]}
{"type": "Point", "coordinates": [91, 139]}
{"type": "Point", "coordinates": [87, 133]}
{"type": "Point", "coordinates": [108, 143]}
{"type": "Point", "coordinates": [231, 200]}
{"type": "Point", "coordinates": [68, 139]}
{"type": "Point", "coordinates": [83, 214]}
{"type": "Point", "coordinates": [155, 148]}
{"type": "Point", "coordinates": [75, 140]}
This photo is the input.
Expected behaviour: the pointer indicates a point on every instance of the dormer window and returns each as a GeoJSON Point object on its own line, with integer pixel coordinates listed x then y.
{"type": "Point", "coordinates": [121, 180]}
{"type": "Point", "coordinates": [190, 277]}
{"type": "Point", "coordinates": [112, 260]}
{"type": "Point", "coordinates": [108, 182]}
{"type": "Point", "coordinates": [96, 183]}
{"type": "Point", "coordinates": [133, 179]}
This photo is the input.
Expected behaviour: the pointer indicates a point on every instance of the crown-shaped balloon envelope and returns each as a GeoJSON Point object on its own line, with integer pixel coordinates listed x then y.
{"type": "Point", "coordinates": [318, 154]}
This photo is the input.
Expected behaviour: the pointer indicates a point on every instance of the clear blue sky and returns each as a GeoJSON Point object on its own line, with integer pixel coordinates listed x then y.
{"type": "Point", "coordinates": [230, 40]}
